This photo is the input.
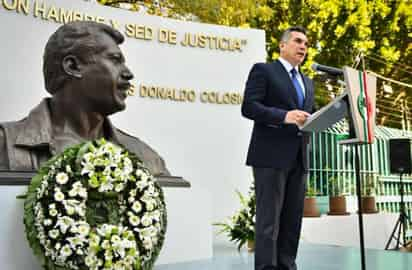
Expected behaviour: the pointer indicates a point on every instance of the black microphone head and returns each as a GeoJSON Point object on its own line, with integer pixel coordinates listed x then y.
{"type": "Point", "coordinates": [315, 66]}
{"type": "Point", "coordinates": [326, 69]}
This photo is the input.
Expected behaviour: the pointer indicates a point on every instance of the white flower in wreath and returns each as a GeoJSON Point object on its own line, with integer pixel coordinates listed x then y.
{"type": "Point", "coordinates": [155, 239]}
{"type": "Point", "coordinates": [47, 222]}
{"type": "Point", "coordinates": [146, 220]}
{"type": "Point", "coordinates": [117, 173]}
{"type": "Point", "coordinates": [42, 189]}
{"type": "Point", "coordinates": [139, 172]}
{"type": "Point", "coordinates": [90, 261]}
{"type": "Point", "coordinates": [144, 177]}
{"type": "Point", "coordinates": [70, 210]}
{"type": "Point", "coordinates": [37, 207]}
{"type": "Point", "coordinates": [144, 233]}
{"type": "Point", "coordinates": [81, 209]}
{"type": "Point", "coordinates": [104, 230]}
{"type": "Point", "coordinates": [121, 252]}
{"type": "Point", "coordinates": [53, 212]}
{"type": "Point", "coordinates": [99, 162]}
{"type": "Point", "coordinates": [78, 189]}
{"type": "Point", "coordinates": [75, 241]}
{"type": "Point", "coordinates": [128, 235]}
{"type": "Point", "coordinates": [119, 187]}
{"type": "Point", "coordinates": [58, 195]}
{"type": "Point", "coordinates": [64, 223]}
{"type": "Point", "coordinates": [106, 244]}
{"type": "Point", "coordinates": [88, 157]}
{"type": "Point", "coordinates": [129, 260]}
{"type": "Point", "coordinates": [66, 251]}
{"type": "Point", "coordinates": [115, 239]}
{"type": "Point", "coordinates": [150, 205]}
{"type": "Point", "coordinates": [74, 229]}
{"type": "Point", "coordinates": [141, 185]}
{"type": "Point", "coordinates": [105, 186]}
{"type": "Point", "coordinates": [150, 190]}
{"type": "Point", "coordinates": [108, 255]}
{"type": "Point", "coordinates": [107, 148]}
{"type": "Point", "coordinates": [128, 244]}
{"type": "Point", "coordinates": [128, 165]}
{"type": "Point", "coordinates": [147, 243]}
{"type": "Point", "coordinates": [132, 193]}
{"type": "Point", "coordinates": [54, 233]}
{"type": "Point", "coordinates": [156, 215]}
{"type": "Point", "coordinates": [146, 198]}
{"type": "Point", "coordinates": [131, 199]}
{"type": "Point", "coordinates": [39, 216]}
{"type": "Point", "coordinates": [134, 220]}
{"type": "Point", "coordinates": [94, 240]}
{"type": "Point", "coordinates": [137, 207]}
{"type": "Point", "coordinates": [88, 169]}
{"type": "Point", "coordinates": [42, 238]}
{"type": "Point", "coordinates": [72, 206]}
{"type": "Point", "coordinates": [152, 231]}
{"type": "Point", "coordinates": [68, 169]}
{"type": "Point", "coordinates": [59, 260]}
{"type": "Point", "coordinates": [83, 229]}
{"type": "Point", "coordinates": [62, 178]}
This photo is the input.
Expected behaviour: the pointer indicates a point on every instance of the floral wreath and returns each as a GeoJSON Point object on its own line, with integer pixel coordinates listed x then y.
{"type": "Point", "coordinates": [95, 206]}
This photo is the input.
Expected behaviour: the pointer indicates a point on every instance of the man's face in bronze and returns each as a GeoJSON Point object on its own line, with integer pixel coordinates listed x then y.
{"type": "Point", "coordinates": [105, 80]}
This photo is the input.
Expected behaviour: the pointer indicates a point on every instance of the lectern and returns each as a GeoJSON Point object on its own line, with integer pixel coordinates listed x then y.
{"type": "Point", "coordinates": [357, 104]}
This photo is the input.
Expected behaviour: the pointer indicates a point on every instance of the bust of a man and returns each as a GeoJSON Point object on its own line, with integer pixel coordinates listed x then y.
{"type": "Point", "coordinates": [85, 72]}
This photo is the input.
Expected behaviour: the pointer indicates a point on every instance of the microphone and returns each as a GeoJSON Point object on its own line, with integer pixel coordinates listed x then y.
{"type": "Point", "coordinates": [329, 70]}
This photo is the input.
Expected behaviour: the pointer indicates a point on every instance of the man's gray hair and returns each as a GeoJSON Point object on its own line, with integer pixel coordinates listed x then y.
{"type": "Point", "coordinates": [286, 34]}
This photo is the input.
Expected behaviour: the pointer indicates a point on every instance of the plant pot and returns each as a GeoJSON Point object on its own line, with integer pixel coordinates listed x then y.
{"type": "Point", "coordinates": [250, 245]}
{"type": "Point", "coordinates": [323, 204]}
{"type": "Point", "coordinates": [368, 205]}
{"type": "Point", "coordinates": [337, 206]}
{"type": "Point", "coordinates": [407, 247]}
{"type": "Point", "coordinates": [310, 208]}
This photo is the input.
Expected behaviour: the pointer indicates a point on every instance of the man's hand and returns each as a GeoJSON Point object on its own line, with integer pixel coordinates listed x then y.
{"type": "Point", "coordinates": [297, 117]}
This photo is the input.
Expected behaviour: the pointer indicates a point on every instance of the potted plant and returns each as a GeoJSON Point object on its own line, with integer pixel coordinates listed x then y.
{"type": "Point", "coordinates": [240, 228]}
{"type": "Point", "coordinates": [311, 208]}
{"type": "Point", "coordinates": [368, 202]}
{"type": "Point", "coordinates": [337, 198]}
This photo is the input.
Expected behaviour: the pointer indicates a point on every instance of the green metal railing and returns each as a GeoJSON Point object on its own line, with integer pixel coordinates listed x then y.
{"type": "Point", "coordinates": [330, 160]}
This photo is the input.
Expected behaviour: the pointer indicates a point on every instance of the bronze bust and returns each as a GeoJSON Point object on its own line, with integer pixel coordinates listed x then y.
{"type": "Point", "coordinates": [84, 71]}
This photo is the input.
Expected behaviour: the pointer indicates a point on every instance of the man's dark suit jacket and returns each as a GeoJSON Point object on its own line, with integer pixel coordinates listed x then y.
{"type": "Point", "coordinates": [268, 96]}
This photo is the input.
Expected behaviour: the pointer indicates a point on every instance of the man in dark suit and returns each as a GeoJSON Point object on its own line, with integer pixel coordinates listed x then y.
{"type": "Point", "coordinates": [278, 98]}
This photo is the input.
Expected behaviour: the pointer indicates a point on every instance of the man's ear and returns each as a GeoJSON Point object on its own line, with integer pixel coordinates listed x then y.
{"type": "Point", "coordinates": [71, 65]}
{"type": "Point", "coordinates": [281, 45]}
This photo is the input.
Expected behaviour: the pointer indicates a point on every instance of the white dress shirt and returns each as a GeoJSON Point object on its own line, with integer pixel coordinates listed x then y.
{"type": "Point", "coordinates": [288, 68]}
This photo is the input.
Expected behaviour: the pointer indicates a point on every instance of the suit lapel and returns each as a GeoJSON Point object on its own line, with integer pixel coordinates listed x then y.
{"type": "Point", "coordinates": [283, 75]}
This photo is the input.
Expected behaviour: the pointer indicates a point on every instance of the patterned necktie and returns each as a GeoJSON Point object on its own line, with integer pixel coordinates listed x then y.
{"type": "Point", "coordinates": [299, 90]}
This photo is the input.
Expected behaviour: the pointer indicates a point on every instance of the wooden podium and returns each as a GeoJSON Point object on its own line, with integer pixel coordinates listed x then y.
{"type": "Point", "coordinates": [357, 104]}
